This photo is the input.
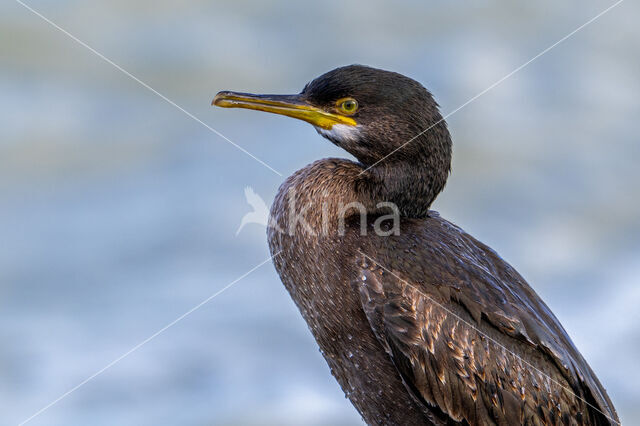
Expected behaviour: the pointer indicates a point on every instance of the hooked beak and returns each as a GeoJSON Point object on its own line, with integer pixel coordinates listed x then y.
{"type": "Point", "coordinates": [290, 105]}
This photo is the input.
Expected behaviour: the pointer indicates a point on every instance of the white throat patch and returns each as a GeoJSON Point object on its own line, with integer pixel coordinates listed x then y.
{"type": "Point", "coordinates": [341, 133]}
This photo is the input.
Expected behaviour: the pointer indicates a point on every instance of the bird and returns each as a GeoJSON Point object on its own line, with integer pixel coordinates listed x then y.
{"type": "Point", "coordinates": [420, 323]}
{"type": "Point", "coordinates": [260, 213]}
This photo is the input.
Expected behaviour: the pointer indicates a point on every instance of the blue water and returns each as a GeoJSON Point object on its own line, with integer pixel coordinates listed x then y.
{"type": "Point", "coordinates": [118, 212]}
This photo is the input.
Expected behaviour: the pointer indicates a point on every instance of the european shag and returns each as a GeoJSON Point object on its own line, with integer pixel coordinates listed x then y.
{"type": "Point", "coordinates": [419, 322]}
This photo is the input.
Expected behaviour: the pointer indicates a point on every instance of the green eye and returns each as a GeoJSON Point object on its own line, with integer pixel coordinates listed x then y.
{"type": "Point", "coordinates": [347, 105]}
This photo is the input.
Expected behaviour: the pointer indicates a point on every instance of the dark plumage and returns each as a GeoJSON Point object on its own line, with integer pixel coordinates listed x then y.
{"type": "Point", "coordinates": [429, 326]}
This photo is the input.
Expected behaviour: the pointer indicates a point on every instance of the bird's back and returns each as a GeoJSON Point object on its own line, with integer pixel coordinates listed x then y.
{"type": "Point", "coordinates": [469, 335]}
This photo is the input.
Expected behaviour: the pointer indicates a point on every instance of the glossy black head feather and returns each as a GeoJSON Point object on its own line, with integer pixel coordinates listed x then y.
{"type": "Point", "coordinates": [400, 132]}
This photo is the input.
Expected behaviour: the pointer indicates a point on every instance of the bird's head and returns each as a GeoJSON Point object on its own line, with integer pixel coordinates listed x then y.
{"type": "Point", "coordinates": [371, 113]}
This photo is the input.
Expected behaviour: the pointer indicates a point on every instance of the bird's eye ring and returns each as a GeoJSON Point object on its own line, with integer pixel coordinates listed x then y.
{"type": "Point", "coordinates": [347, 106]}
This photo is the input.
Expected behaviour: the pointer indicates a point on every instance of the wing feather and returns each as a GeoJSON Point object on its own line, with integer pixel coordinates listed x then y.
{"type": "Point", "coordinates": [469, 336]}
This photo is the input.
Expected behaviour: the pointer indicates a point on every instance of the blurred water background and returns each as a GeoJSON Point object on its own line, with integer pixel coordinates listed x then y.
{"type": "Point", "coordinates": [118, 212]}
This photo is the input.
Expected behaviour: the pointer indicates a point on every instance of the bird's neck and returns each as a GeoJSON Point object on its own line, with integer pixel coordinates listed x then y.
{"type": "Point", "coordinates": [324, 196]}
{"type": "Point", "coordinates": [412, 187]}
{"type": "Point", "coordinates": [413, 174]}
